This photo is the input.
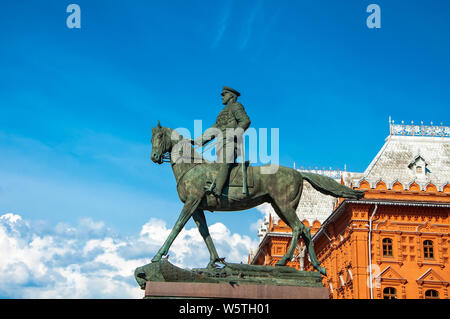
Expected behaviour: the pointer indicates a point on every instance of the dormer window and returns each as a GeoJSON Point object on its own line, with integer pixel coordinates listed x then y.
{"type": "Point", "coordinates": [419, 166]}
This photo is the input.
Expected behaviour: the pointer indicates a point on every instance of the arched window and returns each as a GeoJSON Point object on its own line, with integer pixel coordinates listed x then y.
{"type": "Point", "coordinates": [387, 247]}
{"type": "Point", "coordinates": [428, 249]}
{"type": "Point", "coordinates": [431, 294]}
{"type": "Point", "coordinates": [389, 293]}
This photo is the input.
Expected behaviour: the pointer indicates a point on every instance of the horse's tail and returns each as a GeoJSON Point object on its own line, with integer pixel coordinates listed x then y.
{"type": "Point", "coordinates": [329, 186]}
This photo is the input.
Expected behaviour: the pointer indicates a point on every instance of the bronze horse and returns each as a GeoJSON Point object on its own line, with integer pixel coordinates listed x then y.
{"type": "Point", "coordinates": [281, 189]}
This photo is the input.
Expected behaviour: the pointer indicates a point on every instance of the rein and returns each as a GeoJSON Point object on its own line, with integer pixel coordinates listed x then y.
{"type": "Point", "coordinates": [167, 159]}
{"type": "Point", "coordinates": [190, 158]}
{"type": "Point", "coordinates": [184, 173]}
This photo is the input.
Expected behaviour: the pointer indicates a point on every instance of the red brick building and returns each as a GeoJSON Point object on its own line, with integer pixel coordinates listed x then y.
{"type": "Point", "coordinates": [395, 242]}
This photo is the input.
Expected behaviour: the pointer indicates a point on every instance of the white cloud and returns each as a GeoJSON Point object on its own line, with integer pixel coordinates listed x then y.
{"type": "Point", "coordinates": [266, 209]}
{"type": "Point", "coordinates": [256, 225]}
{"type": "Point", "coordinates": [91, 174]}
{"type": "Point", "coordinates": [223, 24]}
{"type": "Point", "coordinates": [89, 261]}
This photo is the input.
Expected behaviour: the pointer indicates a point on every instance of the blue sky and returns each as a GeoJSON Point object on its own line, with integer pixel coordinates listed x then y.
{"type": "Point", "coordinates": [77, 105]}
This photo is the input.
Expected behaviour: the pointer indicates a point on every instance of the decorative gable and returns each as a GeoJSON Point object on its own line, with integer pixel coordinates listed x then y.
{"type": "Point", "coordinates": [414, 187]}
{"type": "Point", "coordinates": [380, 185]}
{"type": "Point", "coordinates": [431, 277]}
{"type": "Point", "coordinates": [391, 275]}
{"type": "Point", "coordinates": [446, 188]}
{"type": "Point", "coordinates": [397, 186]}
{"type": "Point", "coordinates": [426, 227]}
{"type": "Point", "coordinates": [430, 187]}
{"type": "Point", "coordinates": [363, 184]}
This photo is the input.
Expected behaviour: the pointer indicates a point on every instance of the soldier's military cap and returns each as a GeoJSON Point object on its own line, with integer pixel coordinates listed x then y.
{"type": "Point", "coordinates": [228, 89]}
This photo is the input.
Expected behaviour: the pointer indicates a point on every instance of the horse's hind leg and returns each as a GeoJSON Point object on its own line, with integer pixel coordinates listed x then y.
{"type": "Point", "coordinates": [289, 216]}
{"type": "Point", "coordinates": [200, 221]}
{"type": "Point", "coordinates": [306, 235]}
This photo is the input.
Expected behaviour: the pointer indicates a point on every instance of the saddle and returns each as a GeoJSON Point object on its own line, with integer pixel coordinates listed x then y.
{"type": "Point", "coordinates": [236, 178]}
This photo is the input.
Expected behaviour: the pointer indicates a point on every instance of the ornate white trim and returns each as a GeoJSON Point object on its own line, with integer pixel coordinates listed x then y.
{"type": "Point", "coordinates": [334, 174]}
{"type": "Point", "coordinates": [412, 182]}
{"type": "Point", "coordinates": [431, 182]}
{"type": "Point", "coordinates": [379, 180]}
{"type": "Point", "coordinates": [358, 183]}
{"type": "Point", "coordinates": [418, 130]}
{"type": "Point", "coordinates": [391, 184]}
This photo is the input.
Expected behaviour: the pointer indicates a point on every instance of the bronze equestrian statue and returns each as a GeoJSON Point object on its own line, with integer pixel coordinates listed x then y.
{"type": "Point", "coordinates": [281, 189]}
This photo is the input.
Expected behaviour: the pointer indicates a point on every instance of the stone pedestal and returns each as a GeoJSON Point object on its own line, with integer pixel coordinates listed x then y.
{"type": "Point", "coordinates": [164, 280]}
{"type": "Point", "coordinates": [228, 290]}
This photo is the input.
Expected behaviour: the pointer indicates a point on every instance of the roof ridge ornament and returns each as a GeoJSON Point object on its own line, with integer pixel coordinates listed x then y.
{"type": "Point", "coordinates": [418, 130]}
{"type": "Point", "coordinates": [333, 173]}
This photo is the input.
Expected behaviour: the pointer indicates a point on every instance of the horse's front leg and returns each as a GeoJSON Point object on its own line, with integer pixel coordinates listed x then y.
{"type": "Point", "coordinates": [189, 208]}
{"type": "Point", "coordinates": [200, 221]}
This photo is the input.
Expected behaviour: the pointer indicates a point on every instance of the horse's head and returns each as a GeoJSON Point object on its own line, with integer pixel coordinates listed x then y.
{"type": "Point", "coordinates": [161, 143]}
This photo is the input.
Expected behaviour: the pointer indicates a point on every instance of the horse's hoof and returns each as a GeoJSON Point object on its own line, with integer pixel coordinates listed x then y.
{"type": "Point", "coordinates": [212, 264]}
{"type": "Point", "coordinates": [281, 263]}
{"type": "Point", "coordinates": [323, 271]}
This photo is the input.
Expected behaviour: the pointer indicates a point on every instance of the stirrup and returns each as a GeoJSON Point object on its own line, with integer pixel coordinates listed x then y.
{"type": "Point", "coordinates": [210, 189]}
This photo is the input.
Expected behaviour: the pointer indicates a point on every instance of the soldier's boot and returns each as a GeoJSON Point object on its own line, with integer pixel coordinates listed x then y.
{"type": "Point", "coordinates": [221, 179]}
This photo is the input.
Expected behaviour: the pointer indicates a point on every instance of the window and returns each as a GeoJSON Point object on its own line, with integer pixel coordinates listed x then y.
{"type": "Point", "coordinates": [387, 247]}
{"type": "Point", "coordinates": [431, 294]}
{"type": "Point", "coordinates": [389, 293]}
{"type": "Point", "coordinates": [428, 249]}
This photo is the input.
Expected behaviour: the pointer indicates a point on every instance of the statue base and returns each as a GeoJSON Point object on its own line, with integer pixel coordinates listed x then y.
{"type": "Point", "coordinates": [164, 280]}
{"type": "Point", "coordinates": [173, 290]}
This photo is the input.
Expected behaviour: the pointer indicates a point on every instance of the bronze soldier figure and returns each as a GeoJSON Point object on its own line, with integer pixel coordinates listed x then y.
{"type": "Point", "coordinates": [230, 118]}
